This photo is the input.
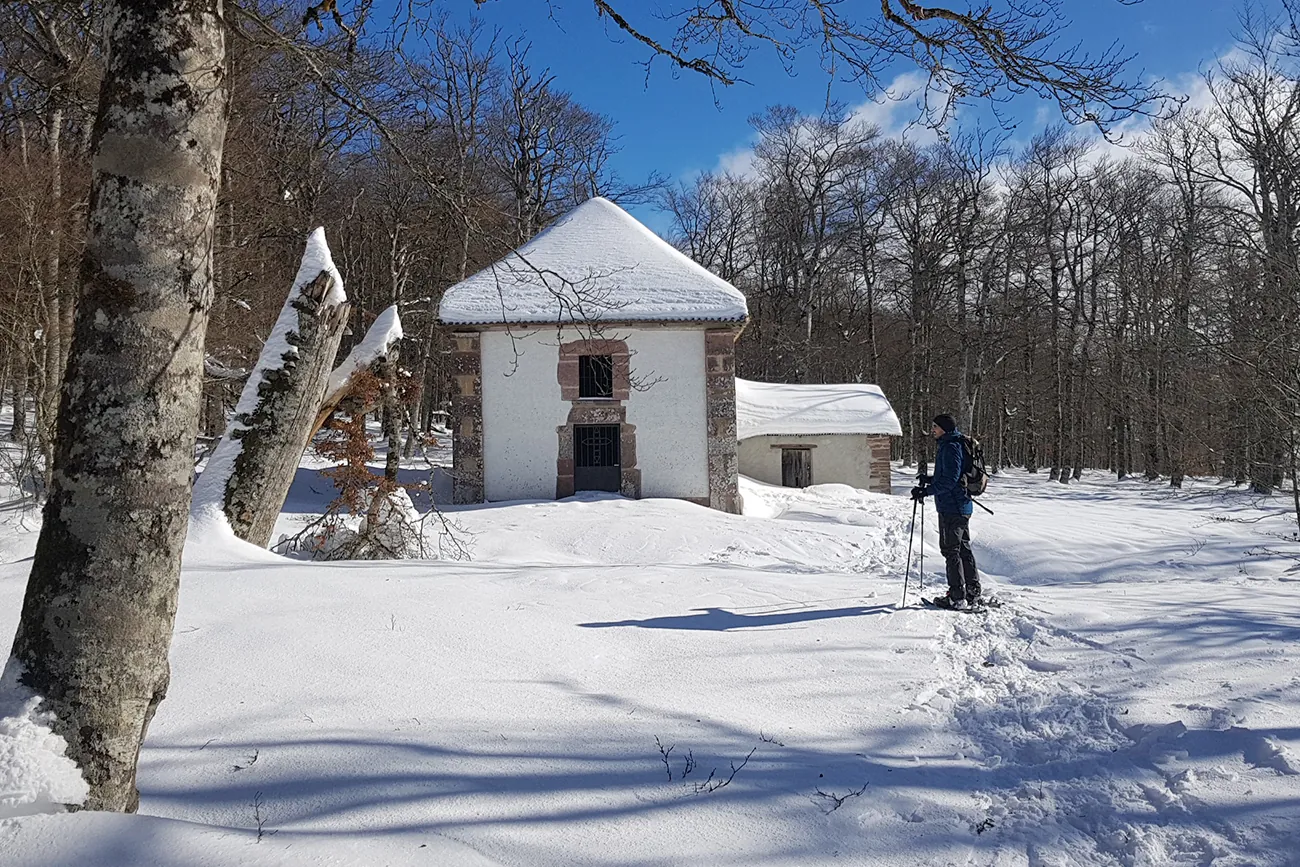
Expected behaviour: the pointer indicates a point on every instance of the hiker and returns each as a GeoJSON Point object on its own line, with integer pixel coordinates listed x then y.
{"type": "Point", "coordinates": [954, 506]}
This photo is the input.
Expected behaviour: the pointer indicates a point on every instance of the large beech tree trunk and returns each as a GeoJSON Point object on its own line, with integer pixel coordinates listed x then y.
{"type": "Point", "coordinates": [265, 445]}
{"type": "Point", "coordinates": [101, 600]}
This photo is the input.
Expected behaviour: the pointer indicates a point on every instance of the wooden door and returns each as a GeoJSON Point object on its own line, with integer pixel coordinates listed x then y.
{"type": "Point", "coordinates": [796, 468]}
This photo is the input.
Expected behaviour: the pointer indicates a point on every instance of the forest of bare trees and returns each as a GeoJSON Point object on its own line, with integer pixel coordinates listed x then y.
{"type": "Point", "coordinates": [421, 171]}
{"type": "Point", "coordinates": [1074, 305]}
{"type": "Point", "coordinates": [1077, 308]}
{"type": "Point", "coordinates": [184, 182]}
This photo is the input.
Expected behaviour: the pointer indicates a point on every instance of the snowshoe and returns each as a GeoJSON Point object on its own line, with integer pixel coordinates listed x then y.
{"type": "Point", "coordinates": [981, 604]}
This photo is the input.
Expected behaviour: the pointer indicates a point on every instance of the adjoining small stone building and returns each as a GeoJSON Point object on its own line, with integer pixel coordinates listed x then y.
{"type": "Point", "coordinates": [801, 435]}
{"type": "Point", "coordinates": [596, 357]}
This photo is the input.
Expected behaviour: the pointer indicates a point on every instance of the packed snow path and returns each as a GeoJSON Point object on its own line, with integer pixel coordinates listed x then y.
{"type": "Point", "coordinates": [1071, 776]}
{"type": "Point", "coordinates": [579, 693]}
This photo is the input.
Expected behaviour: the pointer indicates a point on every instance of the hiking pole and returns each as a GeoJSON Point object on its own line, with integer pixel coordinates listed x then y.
{"type": "Point", "coordinates": [920, 567]}
{"type": "Point", "coordinates": [982, 506]}
{"type": "Point", "coordinates": [911, 529]}
{"type": "Point", "coordinates": [907, 570]}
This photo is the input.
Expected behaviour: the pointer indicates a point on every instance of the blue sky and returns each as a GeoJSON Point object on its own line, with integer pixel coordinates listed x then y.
{"type": "Point", "coordinates": [671, 122]}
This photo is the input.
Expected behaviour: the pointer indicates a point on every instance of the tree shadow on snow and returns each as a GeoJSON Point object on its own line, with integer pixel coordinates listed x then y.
{"type": "Point", "coordinates": [312, 492]}
{"type": "Point", "coordinates": [333, 784]}
{"type": "Point", "coordinates": [317, 785]}
{"type": "Point", "coordinates": [514, 788]}
{"type": "Point", "coordinates": [1209, 627]}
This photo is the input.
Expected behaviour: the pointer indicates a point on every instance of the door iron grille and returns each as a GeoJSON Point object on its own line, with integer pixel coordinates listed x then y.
{"type": "Point", "coordinates": [596, 457]}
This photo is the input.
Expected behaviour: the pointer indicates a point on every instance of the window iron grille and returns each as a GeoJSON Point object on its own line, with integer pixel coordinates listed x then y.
{"type": "Point", "coordinates": [595, 376]}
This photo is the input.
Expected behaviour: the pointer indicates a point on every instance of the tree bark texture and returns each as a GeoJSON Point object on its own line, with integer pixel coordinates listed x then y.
{"type": "Point", "coordinates": [275, 434]}
{"type": "Point", "coordinates": [22, 390]}
{"type": "Point", "coordinates": [374, 361]}
{"type": "Point", "coordinates": [101, 600]}
{"type": "Point", "coordinates": [392, 417]}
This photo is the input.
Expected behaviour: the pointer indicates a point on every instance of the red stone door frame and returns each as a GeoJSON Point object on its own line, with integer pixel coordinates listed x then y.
{"type": "Point", "coordinates": [596, 410]}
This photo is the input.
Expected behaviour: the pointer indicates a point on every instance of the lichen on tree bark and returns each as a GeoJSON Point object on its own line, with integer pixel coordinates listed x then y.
{"type": "Point", "coordinates": [272, 438]}
{"type": "Point", "coordinates": [101, 600]}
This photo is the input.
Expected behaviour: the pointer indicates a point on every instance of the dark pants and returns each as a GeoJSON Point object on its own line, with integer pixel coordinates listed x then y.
{"type": "Point", "coordinates": [954, 544]}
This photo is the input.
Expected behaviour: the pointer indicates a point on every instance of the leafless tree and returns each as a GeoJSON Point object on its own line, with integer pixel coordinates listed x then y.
{"type": "Point", "coordinates": [97, 616]}
{"type": "Point", "coordinates": [965, 53]}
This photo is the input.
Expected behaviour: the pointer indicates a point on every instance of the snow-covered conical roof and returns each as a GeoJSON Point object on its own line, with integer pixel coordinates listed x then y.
{"type": "Point", "coordinates": [777, 409]}
{"type": "Point", "coordinates": [594, 264]}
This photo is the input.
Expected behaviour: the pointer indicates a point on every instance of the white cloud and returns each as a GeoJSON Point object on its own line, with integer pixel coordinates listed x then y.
{"type": "Point", "coordinates": [1190, 87]}
{"type": "Point", "coordinates": [899, 113]}
{"type": "Point", "coordinates": [902, 110]}
{"type": "Point", "coordinates": [738, 162]}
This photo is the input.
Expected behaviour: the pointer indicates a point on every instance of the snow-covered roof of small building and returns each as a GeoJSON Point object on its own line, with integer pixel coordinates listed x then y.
{"type": "Point", "coordinates": [775, 409]}
{"type": "Point", "coordinates": [594, 264]}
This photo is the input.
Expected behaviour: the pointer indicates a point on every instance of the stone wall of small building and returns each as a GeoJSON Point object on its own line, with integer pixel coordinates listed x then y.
{"type": "Point", "coordinates": [724, 466]}
{"type": "Point", "coordinates": [467, 418]}
{"type": "Point", "coordinates": [522, 410]}
{"type": "Point", "coordinates": [667, 407]}
{"type": "Point", "coordinates": [881, 478]}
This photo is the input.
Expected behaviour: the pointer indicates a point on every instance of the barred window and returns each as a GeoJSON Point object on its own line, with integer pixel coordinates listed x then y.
{"type": "Point", "coordinates": [595, 376]}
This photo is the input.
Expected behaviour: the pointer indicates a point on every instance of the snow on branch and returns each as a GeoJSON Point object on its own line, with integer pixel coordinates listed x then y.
{"type": "Point", "coordinates": [271, 424]}
{"type": "Point", "coordinates": [380, 339]}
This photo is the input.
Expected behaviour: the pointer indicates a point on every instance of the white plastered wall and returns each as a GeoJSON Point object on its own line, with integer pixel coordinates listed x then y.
{"type": "Point", "coordinates": [668, 409]}
{"type": "Point", "coordinates": [522, 410]}
{"type": "Point", "coordinates": [843, 459]}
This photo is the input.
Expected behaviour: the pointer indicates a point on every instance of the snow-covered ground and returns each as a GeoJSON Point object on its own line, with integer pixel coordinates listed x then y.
{"type": "Point", "coordinates": [609, 682]}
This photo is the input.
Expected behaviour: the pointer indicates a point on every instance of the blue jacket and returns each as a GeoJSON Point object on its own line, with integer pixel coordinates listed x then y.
{"type": "Point", "coordinates": [950, 497]}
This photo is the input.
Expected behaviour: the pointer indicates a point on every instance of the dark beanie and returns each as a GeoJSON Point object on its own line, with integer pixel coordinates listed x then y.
{"type": "Point", "coordinates": [945, 421]}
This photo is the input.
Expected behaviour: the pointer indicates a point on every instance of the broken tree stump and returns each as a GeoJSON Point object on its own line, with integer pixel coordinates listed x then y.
{"type": "Point", "coordinates": [249, 473]}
